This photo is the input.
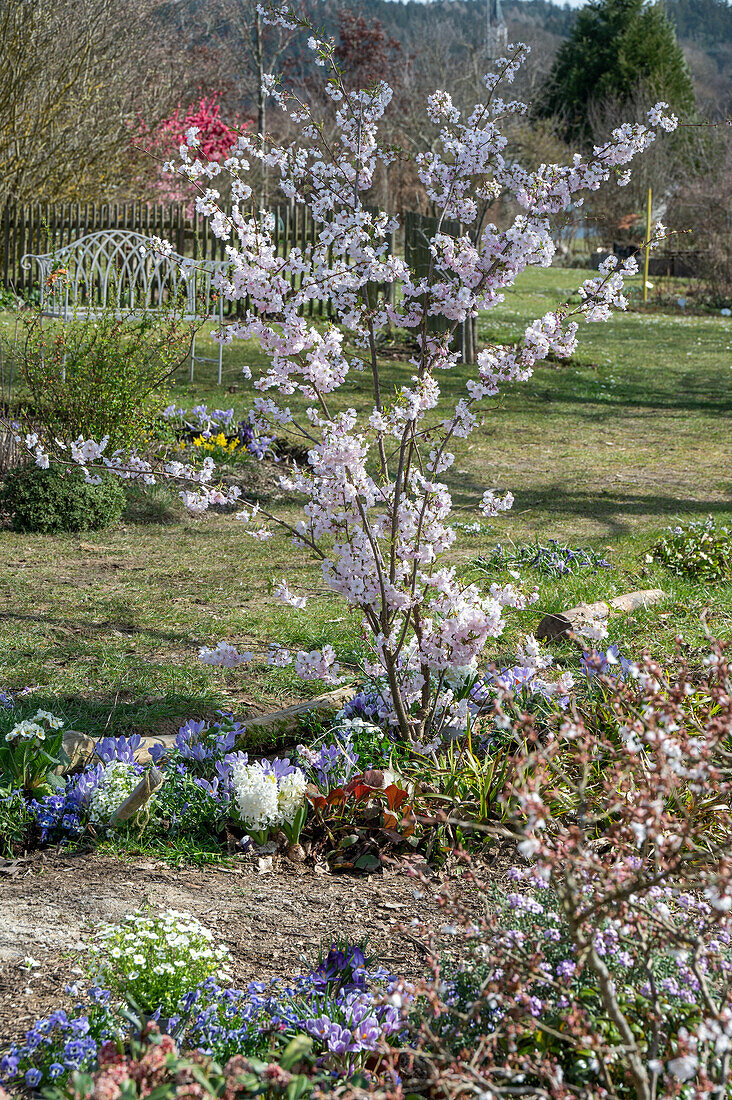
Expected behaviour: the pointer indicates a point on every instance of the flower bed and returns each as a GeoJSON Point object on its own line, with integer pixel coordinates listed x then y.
{"type": "Point", "coordinates": [354, 796]}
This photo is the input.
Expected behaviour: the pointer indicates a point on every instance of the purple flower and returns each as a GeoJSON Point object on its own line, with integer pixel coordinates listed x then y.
{"type": "Point", "coordinates": [605, 663]}
{"type": "Point", "coordinates": [339, 1039]}
{"type": "Point", "coordinates": [332, 765]}
{"type": "Point", "coordinates": [318, 1028]}
{"type": "Point", "coordinates": [9, 1064]}
{"type": "Point", "coordinates": [33, 1077]}
{"type": "Point", "coordinates": [123, 749]}
{"type": "Point", "coordinates": [278, 767]}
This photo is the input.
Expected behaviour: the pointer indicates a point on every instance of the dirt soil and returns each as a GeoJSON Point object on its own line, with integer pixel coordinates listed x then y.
{"type": "Point", "coordinates": [273, 922]}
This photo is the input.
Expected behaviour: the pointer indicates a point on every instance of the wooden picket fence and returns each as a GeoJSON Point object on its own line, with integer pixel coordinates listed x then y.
{"type": "Point", "coordinates": [40, 228]}
{"type": "Point", "coordinates": [418, 231]}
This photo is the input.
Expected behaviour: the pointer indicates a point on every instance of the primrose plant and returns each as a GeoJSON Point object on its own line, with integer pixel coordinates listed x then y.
{"type": "Point", "coordinates": [376, 511]}
{"type": "Point", "coordinates": [30, 751]}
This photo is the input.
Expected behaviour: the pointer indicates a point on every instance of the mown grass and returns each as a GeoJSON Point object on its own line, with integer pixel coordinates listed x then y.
{"type": "Point", "coordinates": [631, 435]}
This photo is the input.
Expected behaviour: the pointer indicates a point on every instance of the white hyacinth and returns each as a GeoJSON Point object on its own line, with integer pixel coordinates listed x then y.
{"type": "Point", "coordinates": [291, 794]}
{"type": "Point", "coordinates": [256, 795]}
{"type": "Point", "coordinates": [262, 800]}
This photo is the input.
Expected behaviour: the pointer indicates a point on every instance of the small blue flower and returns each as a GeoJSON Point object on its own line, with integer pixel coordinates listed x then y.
{"type": "Point", "coordinates": [9, 1063]}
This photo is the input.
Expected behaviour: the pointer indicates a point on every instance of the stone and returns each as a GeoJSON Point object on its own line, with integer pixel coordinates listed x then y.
{"type": "Point", "coordinates": [559, 625]}
{"type": "Point", "coordinates": [79, 747]}
{"type": "Point", "coordinates": [283, 723]}
{"type": "Point", "coordinates": [141, 795]}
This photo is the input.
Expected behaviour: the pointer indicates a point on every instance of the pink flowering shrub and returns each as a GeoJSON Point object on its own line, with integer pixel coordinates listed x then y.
{"type": "Point", "coordinates": [376, 510]}
{"type": "Point", "coordinates": [603, 968]}
{"type": "Point", "coordinates": [216, 136]}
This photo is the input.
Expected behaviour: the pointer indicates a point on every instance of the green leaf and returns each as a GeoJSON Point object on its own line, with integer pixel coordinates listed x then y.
{"type": "Point", "coordinates": [368, 862]}
{"type": "Point", "coordinates": [202, 1078]}
{"type": "Point", "coordinates": [298, 1086]}
{"type": "Point", "coordinates": [162, 1091]}
{"type": "Point", "coordinates": [297, 1049]}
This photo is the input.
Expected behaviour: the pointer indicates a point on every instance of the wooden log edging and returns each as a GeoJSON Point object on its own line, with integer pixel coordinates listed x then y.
{"type": "Point", "coordinates": [560, 624]}
{"type": "Point", "coordinates": [80, 747]}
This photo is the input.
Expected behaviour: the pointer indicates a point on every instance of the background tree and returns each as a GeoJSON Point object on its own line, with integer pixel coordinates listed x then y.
{"type": "Point", "coordinates": [74, 75]}
{"type": "Point", "coordinates": [365, 51]}
{"type": "Point", "coordinates": [616, 48]}
{"type": "Point", "coordinates": [218, 133]}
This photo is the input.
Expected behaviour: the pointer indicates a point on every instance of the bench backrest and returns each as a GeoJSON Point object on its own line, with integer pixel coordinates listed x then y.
{"type": "Point", "coordinates": [121, 270]}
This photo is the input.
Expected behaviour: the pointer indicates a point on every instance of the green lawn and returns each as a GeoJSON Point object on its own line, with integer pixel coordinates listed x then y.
{"type": "Point", "coordinates": [631, 435]}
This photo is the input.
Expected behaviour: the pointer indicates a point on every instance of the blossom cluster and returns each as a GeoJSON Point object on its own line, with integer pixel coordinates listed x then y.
{"type": "Point", "coordinates": [333, 761]}
{"type": "Point", "coordinates": [35, 728]}
{"type": "Point", "coordinates": [267, 794]}
{"type": "Point", "coordinates": [609, 662]}
{"type": "Point", "coordinates": [155, 960]}
{"type": "Point", "coordinates": [200, 419]}
{"type": "Point", "coordinates": [94, 794]}
{"type": "Point", "coordinates": [200, 742]}
{"type": "Point", "coordinates": [334, 1004]}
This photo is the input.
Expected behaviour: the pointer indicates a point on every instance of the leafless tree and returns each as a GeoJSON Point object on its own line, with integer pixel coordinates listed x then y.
{"type": "Point", "coordinates": [74, 76]}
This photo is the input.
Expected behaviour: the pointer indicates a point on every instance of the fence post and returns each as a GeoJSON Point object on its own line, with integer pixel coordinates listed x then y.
{"type": "Point", "coordinates": [418, 228]}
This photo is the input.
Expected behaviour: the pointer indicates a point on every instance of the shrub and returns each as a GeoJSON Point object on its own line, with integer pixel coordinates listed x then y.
{"type": "Point", "coordinates": [701, 550]}
{"type": "Point", "coordinates": [604, 971]}
{"type": "Point", "coordinates": [101, 376]}
{"type": "Point", "coordinates": [153, 1067]}
{"type": "Point", "coordinates": [60, 499]}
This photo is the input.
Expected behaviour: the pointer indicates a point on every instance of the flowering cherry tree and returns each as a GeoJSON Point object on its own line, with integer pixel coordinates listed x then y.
{"type": "Point", "coordinates": [376, 510]}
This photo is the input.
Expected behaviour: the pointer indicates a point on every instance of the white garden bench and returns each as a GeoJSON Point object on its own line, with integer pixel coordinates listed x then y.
{"type": "Point", "coordinates": [122, 271]}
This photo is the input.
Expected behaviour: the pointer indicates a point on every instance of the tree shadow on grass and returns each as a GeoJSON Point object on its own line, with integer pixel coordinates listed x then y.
{"type": "Point", "coordinates": [614, 509]}
{"type": "Point", "coordinates": [714, 398]}
{"type": "Point", "coordinates": [95, 628]}
{"type": "Point", "coordinates": [107, 715]}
